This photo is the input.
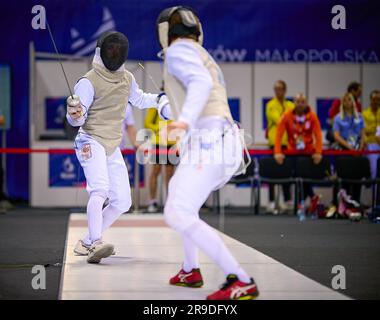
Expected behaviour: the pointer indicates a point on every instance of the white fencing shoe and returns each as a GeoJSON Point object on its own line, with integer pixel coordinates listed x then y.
{"type": "Point", "coordinates": [81, 249]}
{"type": "Point", "coordinates": [98, 251]}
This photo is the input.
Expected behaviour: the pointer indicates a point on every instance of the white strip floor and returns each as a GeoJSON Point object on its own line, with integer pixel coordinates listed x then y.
{"type": "Point", "coordinates": [148, 253]}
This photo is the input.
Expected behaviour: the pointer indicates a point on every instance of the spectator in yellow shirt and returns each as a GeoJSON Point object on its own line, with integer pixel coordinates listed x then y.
{"type": "Point", "coordinates": [371, 117]}
{"type": "Point", "coordinates": [160, 158]}
{"type": "Point", "coordinates": [274, 110]}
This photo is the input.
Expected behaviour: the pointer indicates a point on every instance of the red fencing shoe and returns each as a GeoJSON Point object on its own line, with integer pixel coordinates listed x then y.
{"type": "Point", "coordinates": [234, 289]}
{"type": "Point", "coordinates": [192, 279]}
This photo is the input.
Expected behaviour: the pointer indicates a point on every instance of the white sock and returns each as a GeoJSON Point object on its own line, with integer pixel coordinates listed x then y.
{"type": "Point", "coordinates": [190, 260]}
{"type": "Point", "coordinates": [206, 239]}
{"type": "Point", "coordinates": [94, 218]}
{"type": "Point", "coordinates": [110, 215]}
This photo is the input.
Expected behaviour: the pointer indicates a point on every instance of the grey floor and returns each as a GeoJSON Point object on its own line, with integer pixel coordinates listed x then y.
{"type": "Point", "coordinates": [37, 236]}
{"type": "Point", "coordinates": [31, 237]}
{"type": "Point", "coordinates": [314, 247]}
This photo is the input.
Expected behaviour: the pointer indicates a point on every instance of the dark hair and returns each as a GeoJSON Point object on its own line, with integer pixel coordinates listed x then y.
{"type": "Point", "coordinates": [373, 92]}
{"type": "Point", "coordinates": [283, 83]}
{"type": "Point", "coordinates": [176, 22]}
{"type": "Point", "coordinates": [353, 86]}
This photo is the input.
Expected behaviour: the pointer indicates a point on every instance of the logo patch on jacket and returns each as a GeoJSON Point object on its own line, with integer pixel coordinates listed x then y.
{"type": "Point", "coordinates": [86, 151]}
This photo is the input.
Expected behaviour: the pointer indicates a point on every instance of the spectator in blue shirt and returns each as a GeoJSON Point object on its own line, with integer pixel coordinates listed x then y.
{"type": "Point", "coordinates": [348, 130]}
{"type": "Point", "coordinates": [349, 126]}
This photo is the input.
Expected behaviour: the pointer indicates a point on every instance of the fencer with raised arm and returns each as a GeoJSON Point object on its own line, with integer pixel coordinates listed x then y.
{"type": "Point", "coordinates": [98, 108]}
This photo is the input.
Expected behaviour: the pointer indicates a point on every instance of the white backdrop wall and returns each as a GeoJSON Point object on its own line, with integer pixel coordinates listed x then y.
{"type": "Point", "coordinates": [370, 78]}
{"type": "Point", "coordinates": [49, 82]}
{"type": "Point", "coordinates": [248, 82]}
{"type": "Point", "coordinates": [264, 77]}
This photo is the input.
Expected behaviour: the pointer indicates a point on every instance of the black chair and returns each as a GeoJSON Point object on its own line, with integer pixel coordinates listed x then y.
{"type": "Point", "coordinates": [377, 185]}
{"type": "Point", "coordinates": [353, 170]}
{"type": "Point", "coordinates": [305, 168]}
{"type": "Point", "coordinates": [306, 171]}
{"type": "Point", "coordinates": [271, 172]}
{"type": "Point", "coordinates": [246, 178]}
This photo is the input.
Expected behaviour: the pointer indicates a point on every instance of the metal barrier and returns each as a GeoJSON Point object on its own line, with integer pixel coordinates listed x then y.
{"type": "Point", "coordinates": [136, 188]}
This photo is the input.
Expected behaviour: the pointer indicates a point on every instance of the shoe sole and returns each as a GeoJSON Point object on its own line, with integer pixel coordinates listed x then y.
{"type": "Point", "coordinates": [86, 254]}
{"type": "Point", "coordinates": [80, 254]}
{"type": "Point", "coordinates": [250, 296]}
{"type": "Point", "coordinates": [198, 284]}
{"type": "Point", "coordinates": [102, 253]}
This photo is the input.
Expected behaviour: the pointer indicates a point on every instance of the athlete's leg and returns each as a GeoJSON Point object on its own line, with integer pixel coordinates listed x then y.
{"type": "Point", "coordinates": [190, 259]}
{"type": "Point", "coordinates": [373, 158]}
{"type": "Point", "coordinates": [119, 191]}
{"type": "Point", "coordinates": [92, 158]}
{"type": "Point", "coordinates": [188, 190]}
{"type": "Point", "coordinates": [169, 171]}
{"type": "Point", "coordinates": [155, 172]}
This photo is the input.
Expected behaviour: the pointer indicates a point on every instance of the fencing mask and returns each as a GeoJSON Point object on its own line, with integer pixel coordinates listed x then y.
{"type": "Point", "coordinates": [187, 24]}
{"type": "Point", "coordinates": [113, 49]}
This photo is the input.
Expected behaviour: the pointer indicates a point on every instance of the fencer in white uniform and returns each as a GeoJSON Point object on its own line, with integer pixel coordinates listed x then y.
{"type": "Point", "coordinates": [99, 107]}
{"type": "Point", "coordinates": [196, 91]}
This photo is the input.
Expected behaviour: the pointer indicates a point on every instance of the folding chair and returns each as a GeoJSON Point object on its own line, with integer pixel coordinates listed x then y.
{"type": "Point", "coordinates": [306, 171]}
{"type": "Point", "coordinates": [242, 179]}
{"type": "Point", "coordinates": [354, 170]}
{"type": "Point", "coordinates": [271, 172]}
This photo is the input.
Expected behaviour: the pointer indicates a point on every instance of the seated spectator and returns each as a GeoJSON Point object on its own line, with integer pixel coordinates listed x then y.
{"type": "Point", "coordinates": [349, 135]}
{"type": "Point", "coordinates": [378, 142]}
{"type": "Point", "coordinates": [371, 117]}
{"type": "Point", "coordinates": [304, 136]}
{"type": "Point", "coordinates": [355, 89]}
{"type": "Point", "coordinates": [348, 126]}
{"type": "Point", "coordinates": [274, 109]}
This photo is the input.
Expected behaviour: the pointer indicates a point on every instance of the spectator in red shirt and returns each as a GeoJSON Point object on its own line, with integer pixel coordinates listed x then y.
{"type": "Point", "coordinates": [303, 129]}
{"type": "Point", "coordinates": [304, 136]}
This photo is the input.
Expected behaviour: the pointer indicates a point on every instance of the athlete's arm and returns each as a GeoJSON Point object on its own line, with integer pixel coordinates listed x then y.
{"type": "Point", "coordinates": [77, 113]}
{"type": "Point", "coordinates": [143, 100]}
{"type": "Point", "coordinates": [184, 63]}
